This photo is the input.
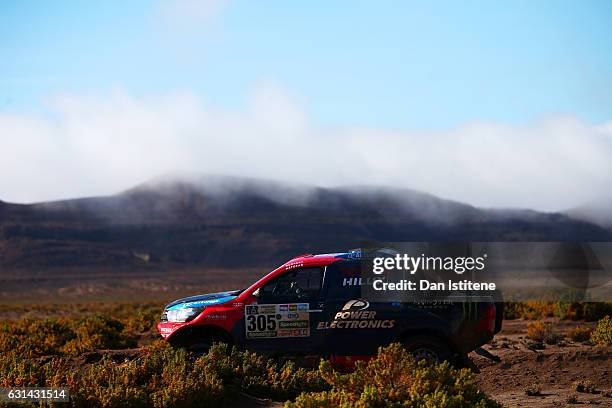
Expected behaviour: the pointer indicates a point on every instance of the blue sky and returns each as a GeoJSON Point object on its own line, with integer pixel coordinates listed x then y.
{"type": "Point", "coordinates": [497, 104]}
{"type": "Point", "coordinates": [418, 65]}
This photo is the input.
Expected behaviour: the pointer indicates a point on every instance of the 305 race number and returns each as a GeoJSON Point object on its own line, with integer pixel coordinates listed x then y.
{"type": "Point", "coordinates": [277, 320]}
{"type": "Point", "coordinates": [261, 323]}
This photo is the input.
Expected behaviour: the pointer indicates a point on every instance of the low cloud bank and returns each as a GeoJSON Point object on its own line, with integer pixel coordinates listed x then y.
{"type": "Point", "coordinates": [90, 145]}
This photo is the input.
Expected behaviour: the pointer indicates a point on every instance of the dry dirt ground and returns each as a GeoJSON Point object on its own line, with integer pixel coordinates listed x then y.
{"type": "Point", "coordinates": [554, 369]}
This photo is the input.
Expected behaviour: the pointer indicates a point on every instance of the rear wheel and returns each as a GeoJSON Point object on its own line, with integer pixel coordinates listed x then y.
{"type": "Point", "coordinates": [428, 348]}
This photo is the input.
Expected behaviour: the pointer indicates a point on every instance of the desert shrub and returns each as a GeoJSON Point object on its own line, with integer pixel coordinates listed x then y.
{"type": "Point", "coordinates": [34, 337]}
{"type": "Point", "coordinates": [529, 310]}
{"type": "Point", "coordinates": [97, 332]}
{"type": "Point", "coordinates": [533, 390]}
{"type": "Point", "coordinates": [17, 371]}
{"type": "Point", "coordinates": [141, 321]}
{"type": "Point", "coordinates": [261, 376]}
{"type": "Point", "coordinates": [512, 310]}
{"type": "Point", "coordinates": [535, 345]}
{"type": "Point", "coordinates": [585, 386]}
{"type": "Point", "coordinates": [53, 336]}
{"type": "Point", "coordinates": [602, 335]}
{"type": "Point", "coordinates": [565, 311]}
{"type": "Point", "coordinates": [593, 311]}
{"type": "Point", "coordinates": [159, 378]}
{"type": "Point", "coordinates": [137, 317]}
{"type": "Point", "coordinates": [580, 333]}
{"type": "Point", "coordinates": [394, 378]}
{"type": "Point", "coordinates": [555, 338]}
{"type": "Point", "coordinates": [46, 352]}
{"type": "Point", "coordinates": [539, 331]}
{"type": "Point", "coordinates": [164, 377]}
{"type": "Point", "coordinates": [534, 310]}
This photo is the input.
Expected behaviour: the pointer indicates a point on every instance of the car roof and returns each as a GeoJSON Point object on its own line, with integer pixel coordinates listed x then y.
{"type": "Point", "coordinates": [306, 260]}
{"type": "Point", "coordinates": [321, 260]}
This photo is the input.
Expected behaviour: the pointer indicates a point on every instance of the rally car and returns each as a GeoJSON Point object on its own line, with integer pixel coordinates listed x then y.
{"type": "Point", "coordinates": [313, 306]}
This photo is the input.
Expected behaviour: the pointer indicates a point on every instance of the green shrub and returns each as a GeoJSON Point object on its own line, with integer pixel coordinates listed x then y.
{"type": "Point", "coordinates": [394, 378]}
{"type": "Point", "coordinates": [580, 333]}
{"type": "Point", "coordinates": [17, 371]}
{"type": "Point", "coordinates": [47, 352]}
{"type": "Point", "coordinates": [585, 386]}
{"type": "Point", "coordinates": [97, 332]}
{"type": "Point", "coordinates": [53, 336]}
{"type": "Point", "coordinates": [261, 376]}
{"type": "Point", "coordinates": [534, 310]}
{"type": "Point", "coordinates": [539, 331]}
{"type": "Point", "coordinates": [34, 337]}
{"type": "Point", "coordinates": [533, 390]}
{"type": "Point", "coordinates": [159, 378]}
{"type": "Point", "coordinates": [602, 335]}
{"type": "Point", "coordinates": [163, 377]}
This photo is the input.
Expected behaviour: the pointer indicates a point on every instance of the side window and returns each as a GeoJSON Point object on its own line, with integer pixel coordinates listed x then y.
{"type": "Point", "coordinates": [300, 285]}
{"type": "Point", "coordinates": [343, 281]}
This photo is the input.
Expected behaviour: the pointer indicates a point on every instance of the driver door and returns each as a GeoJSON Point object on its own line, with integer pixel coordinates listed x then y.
{"type": "Point", "coordinates": [287, 313]}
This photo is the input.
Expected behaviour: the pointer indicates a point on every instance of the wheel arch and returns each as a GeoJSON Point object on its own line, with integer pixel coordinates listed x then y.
{"type": "Point", "coordinates": [406, 334]}
{"type": "Point", "coordinates": [183, 336]}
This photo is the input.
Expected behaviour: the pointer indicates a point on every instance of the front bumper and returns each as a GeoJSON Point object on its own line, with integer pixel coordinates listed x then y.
{"type": "Point", "coordinates": [167, 329]}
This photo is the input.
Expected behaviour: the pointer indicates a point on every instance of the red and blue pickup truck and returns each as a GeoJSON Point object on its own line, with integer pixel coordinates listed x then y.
{"type": "Point", "coordinates": [313, 305]}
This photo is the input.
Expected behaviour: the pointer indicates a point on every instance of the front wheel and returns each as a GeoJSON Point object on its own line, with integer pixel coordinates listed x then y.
{"type": "Point", "coordinates": [428, 348]}
{"type": "Point", "coordinates": [197, 341]}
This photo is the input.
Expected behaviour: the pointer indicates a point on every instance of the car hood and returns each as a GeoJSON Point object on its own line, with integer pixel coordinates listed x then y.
{"type": "Point", "coordinates": [203, 300]}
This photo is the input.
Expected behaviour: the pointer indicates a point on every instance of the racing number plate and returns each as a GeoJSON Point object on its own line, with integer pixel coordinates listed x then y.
{"type": "Point", "coordinates": [278, 320]}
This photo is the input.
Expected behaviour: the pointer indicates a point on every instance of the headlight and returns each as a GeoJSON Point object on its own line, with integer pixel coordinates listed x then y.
{"type": "Point", "coordinates": [183, 315]}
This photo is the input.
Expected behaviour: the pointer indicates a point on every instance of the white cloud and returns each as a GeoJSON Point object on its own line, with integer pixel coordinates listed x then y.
{"type": "Point", "coordinates": [91, 146]}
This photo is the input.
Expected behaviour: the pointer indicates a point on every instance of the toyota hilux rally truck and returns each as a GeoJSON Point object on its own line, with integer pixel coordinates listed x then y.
{"type": "Point", "coordinates": [312, 306]}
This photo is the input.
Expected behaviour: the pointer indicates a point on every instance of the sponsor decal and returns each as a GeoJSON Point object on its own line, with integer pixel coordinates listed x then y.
{"type": "Point", "coordinates": [354, 254]}
{"type": "Point", "coordinates": [354, 315]}
{"type": "Point", "coordinates": [267, 309]}
{"type": "Point", "coordinates": [302, 324]}
{"type": "Point", "coordinates": [263, 334]}
{"type": "Point", "coordinates": [356, 304]}
{"type": "Point", "coordinates": [294, 333]}
{"type": "Point", "coordinates": [251, 309]}
{"type": "Point", "coordinates": [216, 316]}
{"type": "Point", "coordinates": [360, 281]}
{"type": "Point", "coordinates": [200, 303]}
{"type": "Point", "coordinates": [259, 309]}
{"type": "Point", "coordinates": [294, 265]}
{"type": "Point", "coordinates": [273, 321]}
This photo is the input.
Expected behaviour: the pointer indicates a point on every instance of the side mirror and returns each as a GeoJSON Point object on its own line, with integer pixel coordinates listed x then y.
{"type": "Point", "coordinates": [256, 292]}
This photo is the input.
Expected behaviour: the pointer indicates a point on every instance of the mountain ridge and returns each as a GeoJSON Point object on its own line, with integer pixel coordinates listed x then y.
{"type": "Point", "coordinates": [227, 222]}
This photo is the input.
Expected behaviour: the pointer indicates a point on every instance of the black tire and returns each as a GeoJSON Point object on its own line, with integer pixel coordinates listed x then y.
{"type": "Point", "coordinates": [428, 348]}
{"type": "Point", "coordinates": [198, 341]}
{"type": "Point", "coordinates": [202, 345]}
